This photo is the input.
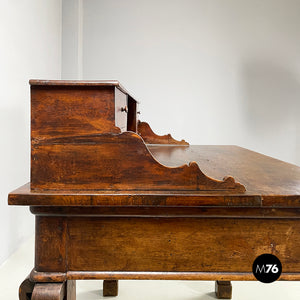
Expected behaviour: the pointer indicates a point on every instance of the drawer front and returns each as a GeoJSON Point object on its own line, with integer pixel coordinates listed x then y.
{"type": "Point", "coordinates": [121, 110]}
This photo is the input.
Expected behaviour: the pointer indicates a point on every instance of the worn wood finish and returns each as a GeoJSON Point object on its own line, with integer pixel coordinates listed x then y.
{"type": "Point", "coordinates": [49, 291]}
{"type": "Point", "coordinates": [130, 275]}
{"type": "Point", "coordinates": [162, 211]}
{"type": "Point", "coordinates": [68, 111]}
{"type": "Point", "coordinates": [50, 244]}
{"type": "Point", "coordinates": [167, 242]}
{"type": "Point", "coordinates": [223, 289]}
{"type": "Point", "coordinates": [110, 207]}
{"type": "Point", "coordinates": [110, 288]}
{"type": "Point", "coordinates": [113, 162]}
{"type": "Point", "coordinates": [269, 182]}
{"type": "Point", "coordinates": [145, 131]}
{"type": "Point", "coordinates": [26, 196]}
{"type": "Point", "coordinates": [53, 291]}
{"type": "Point", "coordinates": [25, 289]}
{"type": "Point", "coordinates": [262, 175]}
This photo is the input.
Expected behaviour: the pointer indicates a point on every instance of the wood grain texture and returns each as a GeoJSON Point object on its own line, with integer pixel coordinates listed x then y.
{"type": "Point", "coordinates": [26, 196]}
{"type": "Point", "coordinates": [261, 174]}
{"type": "Point", "coordinates": [50, 244]}
{"type": "Point", "coordinates": [180, 244]}
{"type": "Point", "coordinates": [223, 289]}
{"type": "Point", "coordinates": [277, 184]}
{"type": "Point", "coordinates": [25, 289]}
{"type": "Point", "coordinates": [49, 291]}
{"type": "Point", "coordinates": [129, 275]}
{"type": "Point", "coordinates": [269, 182]}
{"type": "Point", "coordinates": [145, 131]}
{"type": "Point", "coordinates": [114, 162]}
{"type": "Point", "coordinates": [61, 111]}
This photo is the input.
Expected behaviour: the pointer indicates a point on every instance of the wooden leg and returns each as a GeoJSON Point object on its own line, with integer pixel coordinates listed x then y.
{"type": "Point", "coordinates": [223, 289]}
{"type": "Point", "coordinates": [110, 288]}
{"type": "Point", "coordinates": [55, 291]}
{"type": "Point", "coordinates": [70, 290]}
{"type": "Point", "coordinates": [25, 290]}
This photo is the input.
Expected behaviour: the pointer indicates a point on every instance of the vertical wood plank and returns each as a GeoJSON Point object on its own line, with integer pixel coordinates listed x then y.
{"type": "Point", "coordinates": [50, 245]}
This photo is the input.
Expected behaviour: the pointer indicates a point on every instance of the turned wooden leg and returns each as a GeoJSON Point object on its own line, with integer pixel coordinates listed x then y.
{"type": "Point", "coordinates": [25, 290]}
{"type": "Point", "coordinates": [54, 291]}
{"type": "Point", "coordinates": [110, 288]}
{"type": "Point", "coordinates": [223, 289]}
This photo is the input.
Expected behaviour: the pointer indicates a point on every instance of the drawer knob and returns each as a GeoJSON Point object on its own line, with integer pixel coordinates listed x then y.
{"type": "Point", "coordinates": [124, 109]}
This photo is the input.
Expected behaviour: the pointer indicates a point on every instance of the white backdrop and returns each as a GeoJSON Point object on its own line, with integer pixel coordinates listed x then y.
{"type": "Point", "coordinates": [209, 71]}
{"type": "Point", "coordinates": [30, 37]}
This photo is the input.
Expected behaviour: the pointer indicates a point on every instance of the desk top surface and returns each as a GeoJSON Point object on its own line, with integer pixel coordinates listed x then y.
{"type": "Point", "coordinates": [268, 182]}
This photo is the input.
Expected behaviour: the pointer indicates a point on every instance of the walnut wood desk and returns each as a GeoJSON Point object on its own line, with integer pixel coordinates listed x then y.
{"type": "Point", "coordinates": [108, 206]}
{"type": "Point", "coordinates": [164, 235]}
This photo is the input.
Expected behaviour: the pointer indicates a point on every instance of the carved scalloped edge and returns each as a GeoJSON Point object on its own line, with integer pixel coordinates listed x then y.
{"type": "Point", "coordinates": [145, 131]}
{"type": "Point", "coordinates": [134, 166]}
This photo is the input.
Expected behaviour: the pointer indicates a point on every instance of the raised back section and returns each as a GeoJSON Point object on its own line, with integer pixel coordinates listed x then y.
{"type": "Point", "coordinates": [85, 136]}
{"type": "Point", "coordinates": [74, 108]}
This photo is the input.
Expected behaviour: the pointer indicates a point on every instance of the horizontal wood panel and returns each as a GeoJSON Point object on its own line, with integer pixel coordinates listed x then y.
{"type": "Point", "coordinates": [180, 244]}
{"type": "Point", "coordinates": [163, 212]}
{"type": "Point", "coordinates": [88, 275]}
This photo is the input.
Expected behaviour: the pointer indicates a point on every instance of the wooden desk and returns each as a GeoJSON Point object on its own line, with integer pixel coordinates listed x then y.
{"type": "Point", "coordinates": [170, 235]}
{"type": "Point", "coordinates": [110, 204]}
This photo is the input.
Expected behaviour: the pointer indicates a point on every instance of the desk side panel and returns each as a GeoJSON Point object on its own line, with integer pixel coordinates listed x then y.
{"type": "Point", "coordinates": [180, 244]}
{"type": "Point", "coordinates": [62, 111]}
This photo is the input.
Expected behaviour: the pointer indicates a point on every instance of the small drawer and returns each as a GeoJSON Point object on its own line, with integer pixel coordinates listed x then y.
{"type": "Point", "coordinates": [121, 110]}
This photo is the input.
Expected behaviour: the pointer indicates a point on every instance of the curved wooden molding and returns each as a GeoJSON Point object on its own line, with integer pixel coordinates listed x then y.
{"type": "Point", "coordinates": [114, 162]}
{"type": "Point", "coordinates": [145, 131]}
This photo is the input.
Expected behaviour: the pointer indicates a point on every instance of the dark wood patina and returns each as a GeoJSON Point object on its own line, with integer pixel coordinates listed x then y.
{"type": "Point", "coordinates": [108, 206]}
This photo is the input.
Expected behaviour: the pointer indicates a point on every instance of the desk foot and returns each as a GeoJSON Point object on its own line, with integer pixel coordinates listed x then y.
{"type": "Point", "coordinates": [54, 291]}
{"type": "Point", "coordinates": [223, 289]}
{"type": "Point", "coordinates": [110, 288]}
{"type": "Point", "coordinates": [25, 289]}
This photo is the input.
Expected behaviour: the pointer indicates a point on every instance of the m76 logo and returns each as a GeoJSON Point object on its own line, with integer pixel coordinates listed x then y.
{"type": "Point", "coordinates": [267, 268]}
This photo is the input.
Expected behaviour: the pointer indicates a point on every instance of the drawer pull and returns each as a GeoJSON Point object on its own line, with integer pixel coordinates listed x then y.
{"type": "Point", "coordinates": [124, 109]}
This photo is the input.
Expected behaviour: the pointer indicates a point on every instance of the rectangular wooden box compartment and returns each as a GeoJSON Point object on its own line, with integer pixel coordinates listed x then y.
{"type": "Point", "coordinates": [63, 108]}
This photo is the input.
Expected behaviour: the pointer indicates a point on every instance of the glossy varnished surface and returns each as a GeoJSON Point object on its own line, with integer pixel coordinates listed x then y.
{"type": "Point", "coordinates": [269, 182]}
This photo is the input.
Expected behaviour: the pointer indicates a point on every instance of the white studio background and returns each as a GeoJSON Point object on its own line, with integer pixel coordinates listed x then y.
{"type": "Point", "coordinates": [208, 71]}
{"type": "Point", "coordinates": [30, 37]}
